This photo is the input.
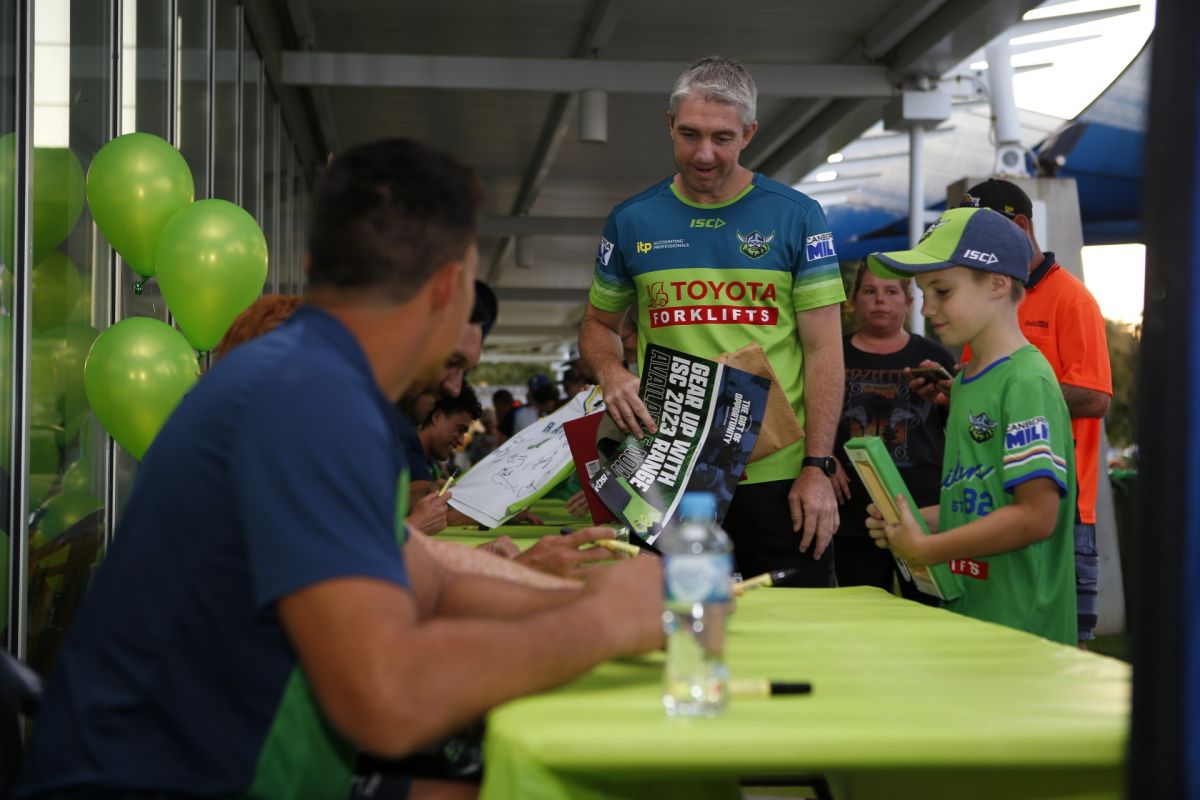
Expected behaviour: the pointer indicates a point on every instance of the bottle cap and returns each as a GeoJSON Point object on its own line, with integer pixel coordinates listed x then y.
{"type": "Point", "coordinates": [698, 505]}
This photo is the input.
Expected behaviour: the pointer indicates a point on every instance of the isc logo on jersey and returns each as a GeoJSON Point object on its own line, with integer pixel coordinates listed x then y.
{"type": "Point", "coordinates": [750, 298]}
{"type": "Point", "coordinates": [819, 246]}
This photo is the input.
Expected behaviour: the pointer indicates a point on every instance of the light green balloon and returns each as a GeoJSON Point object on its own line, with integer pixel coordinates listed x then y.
{"type": "Point", "coordinates": [56, 291]}
{"type": "Point", "coordinates": [45, 460]}
{"type": "Point", "coordinates": [212, 261]}
{"type": "Point", "coordinates": [136, 373]}
{"type": "Point", "coordinates": [69, 345]}
{"type": "Point", "coordinates": [57, 197]}
{"type": "Point", "coordinates": [63, 511]}
{"type": "Point", "coordinates": [78, 476]}
{"type": "Point", "coordinates": [135, 184]}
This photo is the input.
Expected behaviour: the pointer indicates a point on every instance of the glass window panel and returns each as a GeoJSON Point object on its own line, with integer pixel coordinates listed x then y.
{"type": "Point", "coordinates": [299, 210]}
{"type": "Point", "coordinates": [8, 207]}
{"type": "Point", "coordinates": [252, 184]}
{"type": "Point", "coordinates": [271, 189]}
{"type": "Point", "coordinates": [287, 159]}
{"type": "Point", "coordinates": [66, 493]}
{"type": "Point", "coordinates": [192, 97]}
{"type": "Point", "coordinates": [226, 101]}
{"type": "Point", "coordinates": [145, 107]}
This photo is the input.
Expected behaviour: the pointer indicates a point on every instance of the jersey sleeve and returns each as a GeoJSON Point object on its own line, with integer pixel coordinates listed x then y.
{"type": "Point", "coordinates": [1037, 434]}
{"type": "Point", "coordinates": [612, 286]}
{"type": "Point", "coordinates": [316, 488]}
{"type": "Point", "coordinates": [816, 275]}
{"type": "Point", "coordinates": [1083, 344]}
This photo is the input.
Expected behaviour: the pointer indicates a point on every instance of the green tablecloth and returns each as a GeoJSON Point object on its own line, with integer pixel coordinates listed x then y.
{"type": "Point", "coordinates": [908, 702]}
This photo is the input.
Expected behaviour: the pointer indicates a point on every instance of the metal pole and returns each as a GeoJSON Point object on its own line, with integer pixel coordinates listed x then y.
{"type": "Point", "coordinates": [1010, 156]}
{"type": "Point", "coordinates": [113, 310]}
{"type": "Point", "coordinates": [916, 208]}
{"type": "Point", "coordinates": [18, 477]}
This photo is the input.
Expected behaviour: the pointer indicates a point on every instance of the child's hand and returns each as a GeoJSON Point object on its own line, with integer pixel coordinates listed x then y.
{"type": "Point", "coordinates": [875, 526]}
{"type": "Point", "coordinates": [906, 538]}
{"type": "Point", "coordinates": [933, 392]}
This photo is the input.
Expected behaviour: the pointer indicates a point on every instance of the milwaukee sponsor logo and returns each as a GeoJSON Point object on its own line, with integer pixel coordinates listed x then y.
{"type": "Point", "coordinates": [714, 315]}
{"type": "Point", "coordinates": [970, 568]}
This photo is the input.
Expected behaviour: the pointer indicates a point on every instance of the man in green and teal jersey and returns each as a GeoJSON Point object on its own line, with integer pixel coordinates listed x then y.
{"type": "Point", "coordinates": [709, 260]}
{"type": "Point", "coordinates": [1006, 517]}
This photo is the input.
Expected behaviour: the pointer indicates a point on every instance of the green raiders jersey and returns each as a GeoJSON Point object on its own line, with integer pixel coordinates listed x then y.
{"type": "Point", "coordinates": [1009, 424]}
{"type": "Point", "coordinates": [710, 279]}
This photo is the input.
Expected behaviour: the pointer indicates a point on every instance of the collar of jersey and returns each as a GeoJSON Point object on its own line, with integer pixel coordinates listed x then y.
{"type": "Point", "coordinates": [1042, 270]}
{"type": "Point", "coordinates": [681, 198]}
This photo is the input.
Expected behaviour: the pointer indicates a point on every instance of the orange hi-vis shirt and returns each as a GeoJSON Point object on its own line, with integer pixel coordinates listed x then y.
{"type": "Point", "coordinates": [1060, 318]}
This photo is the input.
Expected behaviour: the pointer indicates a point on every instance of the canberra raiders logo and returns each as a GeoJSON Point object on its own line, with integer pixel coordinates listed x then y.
{"type": "Point", "coordinates": [755, 245]}
{"type": "Point", "coordinates": [982, 426]}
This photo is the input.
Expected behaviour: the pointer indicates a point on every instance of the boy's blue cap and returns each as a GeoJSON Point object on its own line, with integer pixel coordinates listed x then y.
{"type": "Point", "coordinates": [978, 238]}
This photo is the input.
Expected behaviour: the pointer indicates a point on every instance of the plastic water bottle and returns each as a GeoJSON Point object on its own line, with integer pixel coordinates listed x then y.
{"type": "Point", "coordinates": [697, 568]}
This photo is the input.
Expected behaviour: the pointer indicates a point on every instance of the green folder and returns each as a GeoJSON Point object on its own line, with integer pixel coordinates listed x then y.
{"type": "Point", "coordinates": [878, 473]}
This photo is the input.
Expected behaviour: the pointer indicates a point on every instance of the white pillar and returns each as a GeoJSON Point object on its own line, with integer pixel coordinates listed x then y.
{"type": "Point", "coordinates": [1010, 155]}
{"type": "Point", "coordinates": [916, 209]}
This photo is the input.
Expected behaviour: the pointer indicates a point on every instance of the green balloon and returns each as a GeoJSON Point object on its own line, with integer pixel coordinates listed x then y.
{"type": "Point", "coordinates": [45, 460]}
{"type": "Point", "coordinates": [62, 511]}
{"type": "Point", "coordinates": [135, 184]}
{"type": "Point", "coordinates": [57, 197]}
{"type": "Point", "coordinates": [69, 345]}
{"type": "Point", "coordinates": [56, 290]}
{"type": "Point", "coordinates": [136, 373]}
{"type": "Point", "coordinates": [212, 261]}
{"type": "Point", "coordinates": [78, 476]}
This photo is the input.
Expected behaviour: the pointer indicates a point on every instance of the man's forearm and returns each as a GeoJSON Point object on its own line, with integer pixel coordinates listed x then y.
{"type": "Point", "coordinates": [501, 595]}
{"type": "Point", "coordinates": [824, 386]}
{"type": "Point", "coordinates": [600, 346]}
{"type": "Point", "coordinates": [1084, 403]}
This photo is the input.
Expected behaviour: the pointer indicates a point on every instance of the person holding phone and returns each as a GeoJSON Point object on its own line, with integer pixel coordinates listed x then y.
{"type": "Point", "coordinates": [881, 357]}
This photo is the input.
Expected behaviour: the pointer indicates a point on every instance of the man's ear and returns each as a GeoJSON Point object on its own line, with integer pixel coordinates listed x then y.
{"type": "Point", "coordinates": [749, 133]}
{"type": "Point", "coordinates": [444, 285]}
{"type": "Point", "coordinates": [1024, 223]}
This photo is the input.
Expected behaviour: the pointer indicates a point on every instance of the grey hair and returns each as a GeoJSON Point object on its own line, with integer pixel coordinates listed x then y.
{"type": "Point", "coordinates": [719, 80]}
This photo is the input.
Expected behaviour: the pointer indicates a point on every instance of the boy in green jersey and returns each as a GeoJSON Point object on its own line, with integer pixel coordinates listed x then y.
{"type": "Point", "coordinates": [1006, 515]}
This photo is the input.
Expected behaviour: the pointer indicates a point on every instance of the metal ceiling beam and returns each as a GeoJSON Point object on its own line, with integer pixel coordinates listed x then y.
{"type": "Point", "coordinates": [539, 294]}
{"type": "Point", "coordinates": [950, 32]}
{"type": "Point", "coordinates": [546, 333]}
{"type": "Point", "coordinates": [541, 226]}
{"type": "Point", "coordinates": [565, 74]}
{"type": "Point", "coordinates": [307, 36]}
{"type": "Point", "coordinates": [596, 34]}
{"type": "Point", "coordinates": [898, 23]}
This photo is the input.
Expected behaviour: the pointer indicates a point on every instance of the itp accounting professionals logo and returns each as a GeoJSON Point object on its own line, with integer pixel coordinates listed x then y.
{"type": "Point", "coordinates": [755, 245]}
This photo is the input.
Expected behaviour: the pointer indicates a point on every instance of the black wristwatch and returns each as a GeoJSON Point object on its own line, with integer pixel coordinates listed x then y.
{"type": "Point", "coordinates": [827, 464]}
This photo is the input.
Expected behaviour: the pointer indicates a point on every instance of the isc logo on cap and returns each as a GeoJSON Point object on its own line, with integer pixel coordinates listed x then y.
{"type": "Point", "coordinates": [982, 258]}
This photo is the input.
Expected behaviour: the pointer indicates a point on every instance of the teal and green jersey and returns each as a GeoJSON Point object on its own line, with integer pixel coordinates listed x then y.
{"type": "Point", "coordinates": [1008, 425]}
{"type": "Point", "coordinates": [710, 279]}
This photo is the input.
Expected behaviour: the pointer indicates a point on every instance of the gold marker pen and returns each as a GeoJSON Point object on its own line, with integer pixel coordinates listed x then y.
{"type": "Point", "coordinates": [446, 485]}
{"type": "Point", "coordinates": [761, 687]}
{"type": "Point", "coordinates": [760, 581]}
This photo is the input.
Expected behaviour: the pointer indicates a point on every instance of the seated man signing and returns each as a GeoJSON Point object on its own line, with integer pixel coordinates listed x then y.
{"type": "Point", "coordinates": [260, 616]}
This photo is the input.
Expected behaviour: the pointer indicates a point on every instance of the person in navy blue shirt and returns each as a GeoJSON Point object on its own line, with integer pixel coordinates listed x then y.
{"type": "Point", "coordinates": [261, 615]}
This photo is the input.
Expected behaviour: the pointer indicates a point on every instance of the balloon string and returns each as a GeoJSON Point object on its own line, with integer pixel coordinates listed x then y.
{"type": "Point", "coordinates": [137, 286]}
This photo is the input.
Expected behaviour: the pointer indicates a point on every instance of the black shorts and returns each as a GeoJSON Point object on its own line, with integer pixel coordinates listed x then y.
{"type": "Point", "coordinates": [760, 524]}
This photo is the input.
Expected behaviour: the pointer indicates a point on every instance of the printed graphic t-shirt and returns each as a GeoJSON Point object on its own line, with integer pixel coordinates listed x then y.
{"type": "Point", "coordinates": [879, 403]}
{"type": "Point", "coordinates": [1009, 424]}
{"type": "Point", "coordinates": [709, 279]}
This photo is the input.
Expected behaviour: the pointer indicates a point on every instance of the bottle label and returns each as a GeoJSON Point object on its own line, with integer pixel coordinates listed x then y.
{"type": "Point", "coordinates": [698, 578]}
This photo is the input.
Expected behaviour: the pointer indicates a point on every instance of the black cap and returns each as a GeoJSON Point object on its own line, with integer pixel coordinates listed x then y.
{"type": "Point", "coordinates": [486, 307]}
{"type": "Point", "coordinates": [999, 195]}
